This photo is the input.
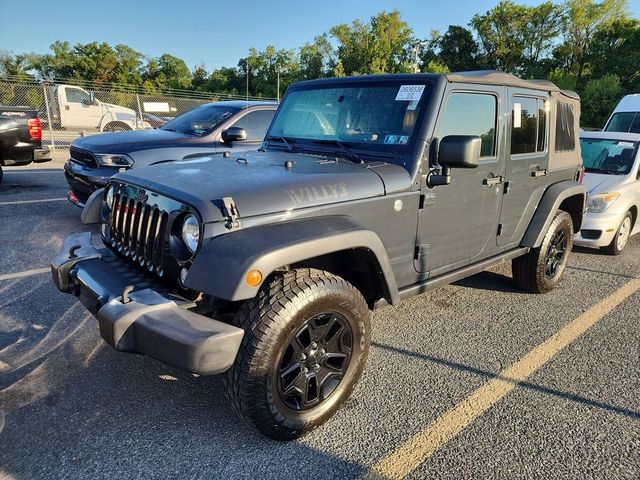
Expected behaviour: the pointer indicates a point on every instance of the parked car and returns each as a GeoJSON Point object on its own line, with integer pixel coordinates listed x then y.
{"type": "Point", "coordinates": [20, 137]}
{"type": "Point", "coordinates": [213, 128]}
{"type": "Point", "coordinates": [626, 116]}
{"type": "Point", "coordinates": [366, 191]}
{"type": "Point", "coordinates": [74, 108]}
{"type": "Point", "coordinates": [612, 181]}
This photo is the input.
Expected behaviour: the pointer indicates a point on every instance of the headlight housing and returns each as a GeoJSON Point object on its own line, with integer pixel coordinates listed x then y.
{"type": "Point", "coordinates": [191, 232]}
{"type": "Point", "coordinates": [600, 202]}
{"type": "Point", "coordinates": [108, 197]}
{"type": "Point", "coordinates": [113, 159]}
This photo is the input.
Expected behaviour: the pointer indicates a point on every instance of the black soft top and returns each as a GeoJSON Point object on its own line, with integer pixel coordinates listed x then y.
{"type": "Point", "coordinates": [486, 77]}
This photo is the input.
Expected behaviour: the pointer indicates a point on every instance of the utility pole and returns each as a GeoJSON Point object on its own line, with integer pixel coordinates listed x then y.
{"type": "Point", "coordinates": [247, 79]}
{"type": "Point", "coordinates": [416, 56]}
{"type": "Point", "coordinates": [278, 83]}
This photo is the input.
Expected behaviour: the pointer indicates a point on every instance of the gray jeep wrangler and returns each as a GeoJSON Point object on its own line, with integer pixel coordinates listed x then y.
{"type": "Point", "coordinates": [366, 191]}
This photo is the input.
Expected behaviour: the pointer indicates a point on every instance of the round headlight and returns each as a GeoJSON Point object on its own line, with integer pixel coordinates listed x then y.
{"type": "Point", "coordinates": [191, 233]}
{"type": "Point", "coordinates": [108, 198]}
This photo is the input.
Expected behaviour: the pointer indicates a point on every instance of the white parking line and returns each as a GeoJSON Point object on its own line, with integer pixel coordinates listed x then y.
{"type": "Point", "coordinates": [26, 273]}
{"type": "Point", "coordinates": [19, 202]}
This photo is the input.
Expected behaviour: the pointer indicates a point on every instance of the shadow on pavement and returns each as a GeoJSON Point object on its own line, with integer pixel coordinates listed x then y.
{"type": "Point", "coordinates": [490, 375]}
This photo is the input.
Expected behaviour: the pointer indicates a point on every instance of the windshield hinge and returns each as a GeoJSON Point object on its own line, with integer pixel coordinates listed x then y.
{"type": "Point", "coordinates": [231, 212]}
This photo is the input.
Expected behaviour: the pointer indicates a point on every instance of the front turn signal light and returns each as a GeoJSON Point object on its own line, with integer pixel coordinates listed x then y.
{"type": "Point", "coordinates": [254, 278]}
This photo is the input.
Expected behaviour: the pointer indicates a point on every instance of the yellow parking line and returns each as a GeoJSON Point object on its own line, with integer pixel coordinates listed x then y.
{"type": "Point", "coordinates": [26, 273]}
{"type": "Point", "coordinates": [19, 202]}
{"type": "Point", "coordinates": [415, 451]}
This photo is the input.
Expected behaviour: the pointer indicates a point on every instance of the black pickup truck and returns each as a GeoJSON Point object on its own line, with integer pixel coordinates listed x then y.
{"type": "Point", "coordinates": [20, 137]}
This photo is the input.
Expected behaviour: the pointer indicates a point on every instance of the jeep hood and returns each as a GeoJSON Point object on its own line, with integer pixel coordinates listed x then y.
{"type": "Point", "coordinates": [131, 141]}
{"type": "Point", "coordinates": [259, 182]}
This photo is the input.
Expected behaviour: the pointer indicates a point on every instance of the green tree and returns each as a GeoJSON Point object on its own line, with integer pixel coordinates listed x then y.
{"type": "Point", "coordinates": [316, 58]}
{"type": "Point", "coordinates": [458, 49]}
{"type": "Point", "coordinates": [543, 25]}
{"type": "Point", "coordinates": [378, 46]}
{"type": "Point", "coordinates": [501, 31]}
{"type": "Point", "coordinates": [581, 22]}
{"type": "Point", "coordinates": [616, 50]}
{"type": "Point", "coordinates": [599, 98]}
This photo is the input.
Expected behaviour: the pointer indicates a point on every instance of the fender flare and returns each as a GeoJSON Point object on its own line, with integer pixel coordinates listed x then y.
{"type": "Point", "coordinates": [547, 208]}
{"type": "Point", "coordinates": [221, 266]}
{"type": "Point", "coordinates": [92, 210]}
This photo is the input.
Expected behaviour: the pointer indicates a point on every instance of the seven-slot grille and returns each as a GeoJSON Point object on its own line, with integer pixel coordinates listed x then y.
{"type": "Point", "coordinates": [83, 156]}
{"type": "Point", "coordinates": [138, 231]}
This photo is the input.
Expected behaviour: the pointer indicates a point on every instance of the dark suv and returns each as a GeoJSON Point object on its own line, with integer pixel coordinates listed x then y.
{"type": "Point", "coordinates": [213, 128]}
{"type": "Point", "coordinates": [366, 191]}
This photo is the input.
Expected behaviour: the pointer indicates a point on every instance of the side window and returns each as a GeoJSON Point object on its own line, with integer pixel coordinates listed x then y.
{"type": "Point", "coordinates": [565, 131]}
{"type": "Point", "coordinates": [528, 125]}
{"type": "Point", "coordinates": [471, 114]}
{"type": "Point", "coordinates": [256, 123]}
{"type": "Point", "coordinates": [75, 95]}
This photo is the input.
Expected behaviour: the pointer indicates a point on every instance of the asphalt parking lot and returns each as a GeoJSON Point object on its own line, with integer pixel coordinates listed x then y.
{"type": "Point", "coordinates": [473, 380]}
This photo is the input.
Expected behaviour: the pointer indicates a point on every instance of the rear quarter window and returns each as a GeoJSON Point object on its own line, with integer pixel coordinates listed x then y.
{"type": "Point", "coordinates": [565, 131]}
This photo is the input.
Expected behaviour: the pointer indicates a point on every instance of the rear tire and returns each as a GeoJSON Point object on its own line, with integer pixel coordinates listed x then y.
{"type": "Point", "coordinates": [281, 384]}
{"type": "Point", "coordinates": [540, 270]}
{"type": "Point", "coordinates": [621, 238]}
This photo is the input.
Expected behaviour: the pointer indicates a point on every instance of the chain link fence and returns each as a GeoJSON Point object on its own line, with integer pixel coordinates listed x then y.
{"type": "Point", "coordinates": [70, 109]}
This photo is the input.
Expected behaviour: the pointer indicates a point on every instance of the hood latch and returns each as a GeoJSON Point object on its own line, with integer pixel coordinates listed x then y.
{"type": "Point", "coordinates": [231, 212]}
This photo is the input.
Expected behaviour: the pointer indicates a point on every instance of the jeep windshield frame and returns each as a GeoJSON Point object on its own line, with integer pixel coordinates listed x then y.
{"type": "Point", "coordinates": [376, 118]}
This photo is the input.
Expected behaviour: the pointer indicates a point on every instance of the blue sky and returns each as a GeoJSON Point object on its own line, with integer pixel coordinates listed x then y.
{"type": "Point", "coordinates": [211, 32]}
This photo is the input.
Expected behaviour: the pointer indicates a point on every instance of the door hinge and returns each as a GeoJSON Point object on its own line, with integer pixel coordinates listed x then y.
{"type": "Point", "coordinates": [500, 229]}
{"type": "Point", "coordinates": [421, 250]}
{"type": "Point", "coordinates": [507, 185]}
{"type": "Point", "coordinates": [427, 198]}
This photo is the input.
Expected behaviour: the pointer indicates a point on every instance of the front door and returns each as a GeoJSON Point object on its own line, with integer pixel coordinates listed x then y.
{"type": "Point", "coordinates": [255, 123]}
{"type": "Point", "coordinates": [78, 111]}
{"type": "Point", "coordinates": [459, 220]}
{"type": "Point", "coordinates": [528, 160]}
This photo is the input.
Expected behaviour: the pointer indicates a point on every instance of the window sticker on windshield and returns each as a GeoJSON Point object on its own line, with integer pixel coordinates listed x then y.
{"type": "Point", "coordinates": [409, 93]}
{"type": "Point", "coordinates": [625, 144]}
{"type": "Point", "coordinates": [391, 139]}
{"type": "Point", "coordinates": [413, 104]}
{"type": "Point", "coordinates": [403, 139]}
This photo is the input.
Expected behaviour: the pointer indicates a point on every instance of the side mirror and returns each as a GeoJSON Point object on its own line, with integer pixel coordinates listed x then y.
{"type": "Point", "coordinates": [459, 151]}
{"type": "Point", "coordinates": [234, 134]}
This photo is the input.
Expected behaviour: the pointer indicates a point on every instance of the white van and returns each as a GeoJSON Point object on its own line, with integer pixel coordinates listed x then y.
{"type": "Point", "coordinates": [626, 116]}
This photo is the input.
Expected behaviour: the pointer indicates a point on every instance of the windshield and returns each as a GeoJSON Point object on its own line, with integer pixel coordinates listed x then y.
{"type": "Point", "coordinates": [608, 156]}
{"type": "Point", "coordinates": [201, 120]}
{"type": "Point", "coordinates": [624, 122]}
{"type": "Point", "coordinates": [364, 115]}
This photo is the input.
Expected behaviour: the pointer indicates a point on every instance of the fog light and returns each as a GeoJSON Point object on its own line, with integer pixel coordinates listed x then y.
{"type": "Point", "coordinates": [254, 277]}
{"type": "Point", "coordinates": [183, 275]}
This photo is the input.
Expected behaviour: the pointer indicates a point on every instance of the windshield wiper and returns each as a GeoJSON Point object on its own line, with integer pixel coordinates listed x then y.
{"type": "Point", "coordinates": [287, 142]}
{"type": "Point", "coordinates": [350, 154]}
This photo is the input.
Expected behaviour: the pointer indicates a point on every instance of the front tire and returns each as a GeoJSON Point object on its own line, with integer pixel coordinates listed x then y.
{"type": "Point", "coordinates": [621, 238]}
{"type": "Point", "coordinates": [306, 342]}
{"type": "Point", "coordinates": [540, 270]}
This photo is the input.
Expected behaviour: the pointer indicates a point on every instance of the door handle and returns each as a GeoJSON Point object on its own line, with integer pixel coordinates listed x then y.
{"type": "Point", "coordinates": [491, 181]}
{"type": "Point", "coordinates": [539, 173]}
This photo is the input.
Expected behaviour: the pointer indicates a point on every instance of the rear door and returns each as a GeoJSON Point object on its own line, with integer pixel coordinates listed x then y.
{"type": "Point", "coordinates": [527, 162]}
{"type": "Point", "coordinates": [458, 222]}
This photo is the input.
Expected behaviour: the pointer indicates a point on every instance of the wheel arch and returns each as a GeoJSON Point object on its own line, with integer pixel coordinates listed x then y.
{"type": "Point", "coordinates": [336, 244]}
{"type": "Point", "coordinates": [567, 195]}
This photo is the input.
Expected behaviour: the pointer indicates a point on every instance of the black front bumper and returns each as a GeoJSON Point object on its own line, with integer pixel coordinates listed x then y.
{"type": "Point", "coordinates": [83, 180]}
{"type": "Point", "coordinates": [147, 320]}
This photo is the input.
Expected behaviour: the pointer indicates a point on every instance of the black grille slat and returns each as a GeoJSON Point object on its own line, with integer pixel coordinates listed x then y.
{"type": "Point", "coordinates": [139, 231]}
